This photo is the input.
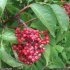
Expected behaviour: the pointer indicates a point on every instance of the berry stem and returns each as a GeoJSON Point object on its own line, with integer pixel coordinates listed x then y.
{"type": "Point", "coordinates": [22, 22]}
{"type": "Point", "coordinates": [30, 20]}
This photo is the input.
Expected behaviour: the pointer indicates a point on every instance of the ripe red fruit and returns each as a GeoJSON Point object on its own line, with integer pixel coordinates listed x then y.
{"type": "Point", "coordinates": [67, 8]}
{"type": "Point", "coordinates": [30, 44]}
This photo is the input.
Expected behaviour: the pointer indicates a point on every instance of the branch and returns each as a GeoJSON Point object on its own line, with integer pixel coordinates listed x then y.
{"type": "Point", "coordinates": [22, 10]}
{"type": "Point", "coordinates": [17, 14]}
{"type": "Point", "coordinates": [30, 20]}
{"type": "Point", "coordinates": [24, 23]}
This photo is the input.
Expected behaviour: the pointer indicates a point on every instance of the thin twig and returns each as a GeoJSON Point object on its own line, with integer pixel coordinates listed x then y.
{"type": "Point", "coordinates": [22, 10]}
{"type": "Point", "coordinates": [27, 21]}
{"type": "Point", "coordinates": [30, 20]}
{"type": "Point", "coordinates": [17, 14]}
{"type": "Point", "coordinates": [22, 23]}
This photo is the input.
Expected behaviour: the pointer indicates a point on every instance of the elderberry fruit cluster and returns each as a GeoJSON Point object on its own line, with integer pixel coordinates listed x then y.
{"type": "Point", "coordinates": [67, 8]}
{"type": "Point", "coordinates": [30, 44]}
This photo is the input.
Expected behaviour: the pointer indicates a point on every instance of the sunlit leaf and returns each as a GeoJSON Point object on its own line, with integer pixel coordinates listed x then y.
{"type": "Point", "coordinates": [46, 16]}
{"type": "Point", "coordinates": [9, 35]}
{"type": "Point", "coordinates": [61, 16]}
{"type": "Point", "coordinates": [2, 6]}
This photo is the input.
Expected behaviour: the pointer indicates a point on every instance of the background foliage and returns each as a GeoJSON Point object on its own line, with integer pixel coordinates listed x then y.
{"type": "Point", "coordinates": [50, 15]}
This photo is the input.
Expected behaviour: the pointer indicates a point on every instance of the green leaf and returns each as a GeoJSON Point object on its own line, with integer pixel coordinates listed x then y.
{"type": "Point", "coordinates": [47, 54]}
{"type": "Point", "coordinates": [38, 25]}
{"type": "Point", "coordinates": [7, 58]}
{"type": "Point", "coordinates": [2, 6]}
{"type": "Point", "coordinates": [46, 16]}
{"type": "Point", "coordinates": [0, 63]}
{"type": "Point", "coordinates": [52, 58]}
{"type": "Point", "coordinates": [61, 16]}
{"type": "Point", "coordinates": [64, 55]}
{"type": "Point", "coordinates": [12, 9]}
{"type": "Point", "coordinates": [9, 35]}
{"type": "Point", "coordinates": [59, 48]}
{"type": "Point", "coordinates": [39, 65]}
{"type": "Point", "coordinates": [52, 40]}
{"type": "Point", "coordinates": [67, 43]}
{"type": "Point", "coordinates": [59, 35]}
{"type": "Point", "coordinates": [34, 67]}
{"type": "Point", "coordinates": [68, 55]}
{"type": "Point", "coordinates": [56, 61]}
{"type": "Point", "coordinates": [28, 1]}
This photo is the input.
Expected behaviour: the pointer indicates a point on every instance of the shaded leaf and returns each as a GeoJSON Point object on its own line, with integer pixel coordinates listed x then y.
{"type": "Point", "coordinates": [12, 9]}
{"type": "Point", "coordinates": [38, 25]}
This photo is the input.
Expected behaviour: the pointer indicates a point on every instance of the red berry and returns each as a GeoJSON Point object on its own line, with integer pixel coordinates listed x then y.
{"type": "Point", "coordinates": [67, 8]}
{"type": "Point", "coordinates": [30, 44]}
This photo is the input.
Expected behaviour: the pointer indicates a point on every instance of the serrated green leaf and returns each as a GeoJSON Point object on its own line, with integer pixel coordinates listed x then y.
{"type": "Point", "coordinates": [7, 58]}
{"type": "Point", "coordinates": [61, 16]}
{"type": "Point", "coordinates": [2, 6]}
{"type": "Point", "coordinates": [46, 16]}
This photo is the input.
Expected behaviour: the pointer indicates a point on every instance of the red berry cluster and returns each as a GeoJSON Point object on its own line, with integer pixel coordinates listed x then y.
{"type": "Point", "coordinates": [30, 44]}
{"type": "Point", "coordinates": [67, 8]}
